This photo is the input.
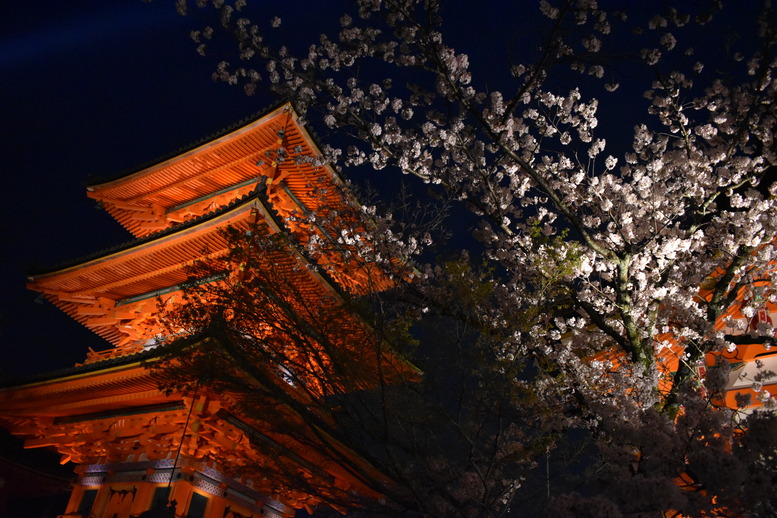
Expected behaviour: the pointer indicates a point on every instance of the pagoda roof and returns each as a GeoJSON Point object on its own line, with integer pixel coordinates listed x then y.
{"type": "Point", "coordinates": [108, 385]}
{"type": "Point", "coordinates": [97, 272]}
{"type": "Point", "coordinates": [275, 146]}
{"type": "Point", "coordinates": [94, 180]}
{"type": "Point", "coordinates": [114, 414]}
{"type": "Point", "coordinates": [256, 192]}
{"type": "Point", "coordinates": [267, 171]}
{"type": "Point", "coordinates": [104, 290]}
{"type": "Point", "coordinates": [79, 370]}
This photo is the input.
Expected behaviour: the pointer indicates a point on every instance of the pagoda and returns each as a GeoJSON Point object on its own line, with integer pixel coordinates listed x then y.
{"type": "Point", "coordinates": [139, 450]}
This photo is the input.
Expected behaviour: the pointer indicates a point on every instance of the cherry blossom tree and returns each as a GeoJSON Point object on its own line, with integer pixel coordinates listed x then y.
{"type": "Point", "coordinates": [599, 257]}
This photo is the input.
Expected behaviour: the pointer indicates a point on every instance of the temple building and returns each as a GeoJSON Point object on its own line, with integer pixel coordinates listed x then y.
{"type": "Point", "coordinates": [753, 350]}
{"type": "Point", "coordinates": [136, 447]}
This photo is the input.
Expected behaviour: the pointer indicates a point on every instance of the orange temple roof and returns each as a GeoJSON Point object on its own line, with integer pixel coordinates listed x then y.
{"type": "Point", "coordinates": [114, 292]}
{"type": "Point", "coordinates": [275, 147]}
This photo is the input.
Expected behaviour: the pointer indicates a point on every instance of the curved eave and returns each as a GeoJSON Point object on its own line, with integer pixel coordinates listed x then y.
{"type": "Point", "coordinates": [122, 383]}
{"type": "Point", "coordinates": [81, 371]}
{"type": "Point", "coordinates": [106, 293]}
{"type": "Point", "coordinates": [215, 172]}
{"type": "Point", "coordinates": [117, 264]}
{"type": "Point", "coordinates": [125, 262]}
{"type": "Point", "coordinates": [228, 133]}
{"type": "Point", "coordinates": [92, 292]}
{"type": "Point", "coordinates": [156, 236]}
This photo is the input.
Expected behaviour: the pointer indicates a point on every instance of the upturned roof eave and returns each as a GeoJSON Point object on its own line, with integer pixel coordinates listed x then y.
{"type": "Point", "coordinates": [85, 369]}
{"type": "Point", "coordinates": [257, 197]}
{"type": "Point", "coordinates": [258, 118]}
{"type": "Point", "coordinates": [151, 238]}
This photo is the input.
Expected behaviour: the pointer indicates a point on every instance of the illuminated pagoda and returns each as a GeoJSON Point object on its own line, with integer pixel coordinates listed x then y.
{"type": "Point", "coordinates": [134, 445]}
